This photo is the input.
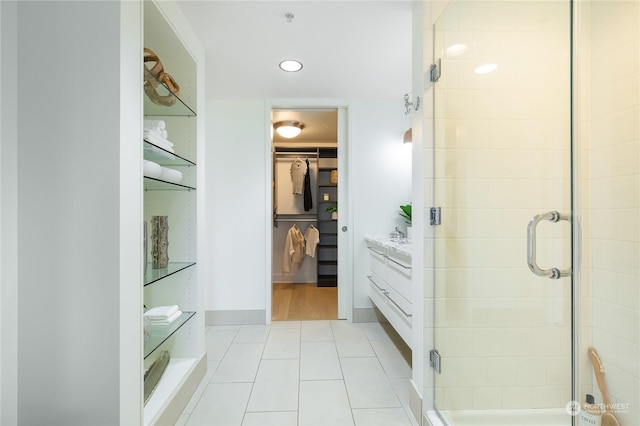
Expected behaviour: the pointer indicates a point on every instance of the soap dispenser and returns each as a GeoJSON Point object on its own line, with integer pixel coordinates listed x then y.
{"type": "Point", "coordinates": [591, 415]}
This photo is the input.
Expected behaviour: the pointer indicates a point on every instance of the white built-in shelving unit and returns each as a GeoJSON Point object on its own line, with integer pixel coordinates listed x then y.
{"type": "Point", "coordinates": [178, 284]}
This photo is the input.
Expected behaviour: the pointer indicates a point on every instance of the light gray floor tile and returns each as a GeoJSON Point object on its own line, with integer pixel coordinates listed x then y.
{"type": "Point", "coordinates": [282, 344]}
{"type": "Point", "coordinates": [218, 341]}
{"type": "Point", "coordinates": [240, 363]}
{"type": "Point", "coordinates": [316, 331]}
{"type": "Point", "coordinates": [319, 361]}
{"type": "Point", "coordinates": [392, 362]}
{"type": "Point", "coordinates": [351, 341]}
{"type": "Point", "coordinates": [252, 334]}
{"type": "Point", "coordinates": [276, 418]}
{"type": "Point", "coordinates": [374, 331]}
{"type": "Point", "coordinates": [367, 384]}
{"type": "Point", "coordinates": [276, 386]}
{"type": "Point", "coordinates": [323, 403]}
{"type": "Point", "coordinates": [285, 324]}
{"type": "Point", "coordinates": [380, 416]}
{"type": "Point", "coordinates": [221, 404]}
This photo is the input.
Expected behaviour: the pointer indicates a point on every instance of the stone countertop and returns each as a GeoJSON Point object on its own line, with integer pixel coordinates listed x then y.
{"type": "Point", "coordinates": [391, 245]}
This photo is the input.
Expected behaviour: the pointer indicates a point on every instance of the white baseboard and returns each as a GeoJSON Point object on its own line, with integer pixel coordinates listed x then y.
{"type": "Point", "coordinates": [244, 317]}
{"type": "Point", "coordinates": [364, 315]}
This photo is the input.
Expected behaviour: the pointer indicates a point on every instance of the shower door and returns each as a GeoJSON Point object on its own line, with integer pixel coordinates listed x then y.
{"type": "Point", "coordinates": [502, 168]}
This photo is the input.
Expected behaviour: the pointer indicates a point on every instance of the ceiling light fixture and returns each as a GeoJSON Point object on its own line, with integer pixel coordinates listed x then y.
{"type": "Point", "coordinates": [289, 128]}
{"type": "Point", "coordinates": [290, 65]}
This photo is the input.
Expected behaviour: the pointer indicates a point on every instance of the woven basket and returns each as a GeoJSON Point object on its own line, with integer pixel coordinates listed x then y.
{"type": "Point", "coordinates": [334, 177]}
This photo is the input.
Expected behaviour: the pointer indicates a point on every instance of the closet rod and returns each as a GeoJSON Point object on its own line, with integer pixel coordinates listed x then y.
{"type": "Point", "coordinates": [296, 219]}
{"type": "Point", "coordinates": [295, 153]}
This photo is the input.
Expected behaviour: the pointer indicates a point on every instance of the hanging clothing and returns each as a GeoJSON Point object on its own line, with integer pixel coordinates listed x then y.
{"type": "Point", "coordinates": [312, 238]}
{"type": "Point", "coordinates": [294, 249]}
{"type": "Point", "coordinates": [298, 170]}
{"type": "Point", "coordinates": [308, 202]}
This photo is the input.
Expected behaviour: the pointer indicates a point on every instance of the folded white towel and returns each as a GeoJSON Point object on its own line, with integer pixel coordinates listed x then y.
{"type": "Point", "coordinates": [171, 175]}
{"type": "Point", "coordinates": [164, 133]}
{"type": "Point", "coordinates": [161, 312]}
{"type": "Point", "coordinates": [151, 169]}
{"type": "Point", "coordinates": [160, 124]}
{"type": "Point", "coordinates": [157, 140]}
{"type": "Point", "coordinates": [167, 321]}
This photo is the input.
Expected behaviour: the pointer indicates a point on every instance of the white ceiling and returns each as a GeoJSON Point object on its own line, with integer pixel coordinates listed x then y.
{"type": "Point", "coordinates": [350, 49]}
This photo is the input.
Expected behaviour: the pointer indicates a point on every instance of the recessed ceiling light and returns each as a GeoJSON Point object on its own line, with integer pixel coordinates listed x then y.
{"type": "Point", "coordinates": [290, 65]}
{"type": "Point", "coordinates": [486, 68]}
{"type": "Point", "coordinates": [456, 49]}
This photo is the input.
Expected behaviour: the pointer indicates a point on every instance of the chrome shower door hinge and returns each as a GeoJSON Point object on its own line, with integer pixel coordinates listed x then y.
{"type": "Point", "coordinates": [434, 216]}
{"type": "Point", "coordinates": [434, 71]}
{"type": "Point", "coordinates": [434, 360]}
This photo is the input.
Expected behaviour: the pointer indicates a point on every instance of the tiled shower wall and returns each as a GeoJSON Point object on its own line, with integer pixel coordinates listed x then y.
{"type": "Point", "coordinates": [501, 156]}
{"type": "Point", "coordinates": [611, 197]}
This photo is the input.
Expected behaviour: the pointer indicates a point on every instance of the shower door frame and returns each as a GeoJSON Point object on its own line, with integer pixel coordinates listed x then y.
{"type": "Point", "coordinates": [574, 221]}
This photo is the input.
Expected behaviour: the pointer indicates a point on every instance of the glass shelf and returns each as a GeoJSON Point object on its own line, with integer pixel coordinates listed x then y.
{"type": "Point", "coordinates": [160, 333]}
{"type": "Point", "coordinates": [163, 157]}
{"type": "Point", "coordinates": [154, 275]}
{"type": "Point", "coordinates": [153, 184]}
{"type": "Point", "coordinates": [179, 109]}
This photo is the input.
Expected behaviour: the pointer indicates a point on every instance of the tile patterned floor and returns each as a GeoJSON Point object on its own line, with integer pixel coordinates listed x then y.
{"type": "Point", "coordinates": [302, 373]}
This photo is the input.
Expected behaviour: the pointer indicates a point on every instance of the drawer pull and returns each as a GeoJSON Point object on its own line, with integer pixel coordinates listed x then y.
{"type": "Point", "coordinates": [376, 251]}
{"type": "Point", "coordinates": [386, 293]}
{"type": "Point", "coordinates": [376, 284]}
{"type": "Point", "coordinates": [398, 263]}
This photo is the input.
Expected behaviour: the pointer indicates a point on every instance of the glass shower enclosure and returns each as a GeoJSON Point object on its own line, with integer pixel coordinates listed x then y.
{"type": "Point", "coordinates": [537, 174]}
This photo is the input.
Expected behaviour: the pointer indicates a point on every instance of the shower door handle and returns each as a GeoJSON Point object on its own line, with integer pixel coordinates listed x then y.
{"type": "Point", "coordinates": [553, 273]}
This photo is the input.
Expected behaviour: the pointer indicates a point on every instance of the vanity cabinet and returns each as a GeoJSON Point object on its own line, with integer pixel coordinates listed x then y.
{"type": "Point", "coordinates": [390, 283]}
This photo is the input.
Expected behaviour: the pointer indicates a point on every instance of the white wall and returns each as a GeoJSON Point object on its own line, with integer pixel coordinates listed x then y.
{"type": "Point", "coordinates": [8, 215]}
{"type": "Point", "coordinates": [236, 196]}
{"type": "Point", "coordinates": [69, 213]}
{"type": "Point", "coordinates": [380, 173]}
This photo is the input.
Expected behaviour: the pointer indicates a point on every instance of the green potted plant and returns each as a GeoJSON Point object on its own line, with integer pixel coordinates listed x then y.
{"type": "Point", "coordinates": [334, 211]}
{"type": "Point", "coordinates": [405, 213]}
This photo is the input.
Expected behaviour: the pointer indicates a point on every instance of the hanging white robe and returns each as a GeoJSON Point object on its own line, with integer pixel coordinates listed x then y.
{"type": "Point", "coordinates": [294, 249]}
{"type": "Point", "coordinates": [312, 238]}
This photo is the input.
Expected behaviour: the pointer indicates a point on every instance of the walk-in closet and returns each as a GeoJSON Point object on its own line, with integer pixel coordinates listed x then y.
{"type": "Point", "coordinates": [305, 209]}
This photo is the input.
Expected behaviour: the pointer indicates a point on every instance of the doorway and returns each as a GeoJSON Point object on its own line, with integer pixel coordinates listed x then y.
{"type": "Point", "coordinates": [306, 189]}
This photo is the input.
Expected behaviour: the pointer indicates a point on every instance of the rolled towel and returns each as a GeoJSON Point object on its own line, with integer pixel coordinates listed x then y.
{"type": "Point", "coordinates": [151, 169]}
{"type": "Point", "coordinates": [167, 321]}
{"type": "Point", "coordinates": [161, 312]}
{"type": "Point", "coordinates": [171, 175]}
{"type": "Point", "coordinates": [160, 124]}
{"type": "Point", "coordinates": [164, 133]}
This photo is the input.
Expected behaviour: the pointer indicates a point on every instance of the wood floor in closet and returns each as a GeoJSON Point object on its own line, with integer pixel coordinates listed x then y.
{"type": "Point", "coordinates": [299, 302]}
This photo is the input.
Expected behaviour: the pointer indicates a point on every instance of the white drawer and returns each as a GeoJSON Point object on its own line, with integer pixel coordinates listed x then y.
{"type": "Point", "coordinates": [399, 277]}
{"type": "Point", "coordinates": [400, 302]}
{"type": "Point", "coordinates": [378, 282]}
{"type": "Point", "coordinates": [377, 263]}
